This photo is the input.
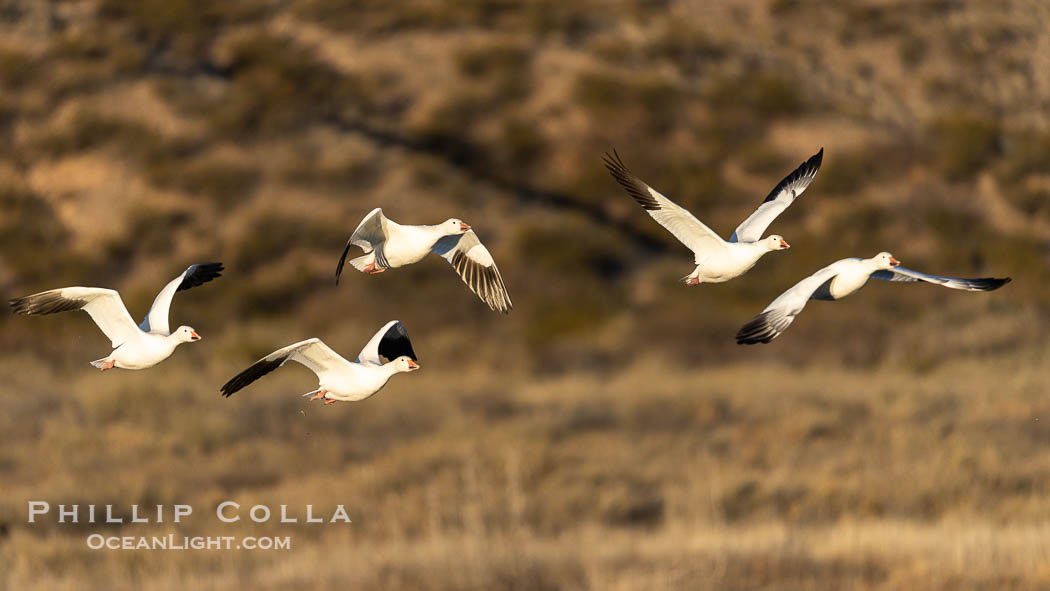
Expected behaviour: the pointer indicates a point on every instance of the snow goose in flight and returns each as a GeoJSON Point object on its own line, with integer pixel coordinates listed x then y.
{"type": "Point", "coordinates": [134, 347]}
{"type": "Point", "coordinates": [338, 378]}
{"type": "Point", "coordinates": [388, 245]}
{"type": "Point", "coordinates": [718, 260]}
{"type": "Point", "coordinates": [837, 281]}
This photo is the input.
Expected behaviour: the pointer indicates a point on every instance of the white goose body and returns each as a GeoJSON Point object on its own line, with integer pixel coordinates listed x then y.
{"type": "Point", "coordinates": [839, 280]}
{"type": "Point", "coordinates": [146, 350]}
{"type": "Point", "coordinates": [356, 382]}
{"type": "Point", "coordinates": [719, 260]}
{"type": "Point", "coordinates": [389, 245]}
{"type": "Point", "coordinates": [407, 245]}
{"type": "Point", "coordinates": [339, 379]}
{"type": "Point", "coordinates": [737, 259]}
{"type": "Point", "coordinates": [134, 346]}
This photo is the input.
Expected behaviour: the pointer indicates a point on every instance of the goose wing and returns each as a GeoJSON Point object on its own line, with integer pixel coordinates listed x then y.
{"type": "Point", "coordinates": [370, 235]}
{"type": "Point", "coordinates": [312, 353]}
{"type": "Point", "coordinates": [979, 284]}
{"type": "Point", "coordinates": [783, 195]}
{"type": "Point", "coordinates": [675, 218]}
{"type": "Point", "coordinates": [781, 312]}
{"type": "Point", "coordinates": [103, 305]}
{"type": "Point", "coordinates": [156, 319]}
{"type": "Point", "coordinates": [474, 263]}
{"type": "Point", "coordinates": [391, 342]}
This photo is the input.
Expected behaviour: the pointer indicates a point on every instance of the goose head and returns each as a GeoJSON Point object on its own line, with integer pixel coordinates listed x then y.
{"type": "Point", "coordinates": [776, 242]}
{"type": "Point", "coordinates": [885, 260]}
{"type": "Point", "coordinates": [186, 334]}
{"type": "Point", "coordinates": [404, 364]}
{"type": "Point", "coordinates": [454, 226]}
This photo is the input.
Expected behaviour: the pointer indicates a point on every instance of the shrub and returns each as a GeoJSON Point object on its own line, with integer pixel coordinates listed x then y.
{"type": "Point", "coordinates": [964, 144]}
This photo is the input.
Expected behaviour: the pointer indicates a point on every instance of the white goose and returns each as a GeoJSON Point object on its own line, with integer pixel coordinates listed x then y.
{"type": "Point", "coordinates": [338, 378]}
{"type": "Point", "coordinates": [837, 281]}
{"type": "Point", "coordinates": [716, 260]}
{"type": "Point", "coordinates": [388, 245]}
{"type": "Point", "coordinates": [134, 347]}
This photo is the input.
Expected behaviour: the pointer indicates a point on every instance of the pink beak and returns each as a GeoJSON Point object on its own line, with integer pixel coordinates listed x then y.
{"type": "Point", "coordinates": [194, 335]}
{"type": "Point", "coordinates": [463, 227]}
{"type": "Point", "coordinates": [784, 244]}
{"type": "Point", "coordinates": [894, 262]}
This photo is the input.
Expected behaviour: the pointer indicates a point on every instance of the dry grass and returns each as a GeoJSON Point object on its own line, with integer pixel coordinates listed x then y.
{"type": "Point", "coordinates": [833, 478]}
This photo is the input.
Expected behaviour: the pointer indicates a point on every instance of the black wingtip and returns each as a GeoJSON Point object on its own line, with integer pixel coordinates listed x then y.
{"type": "Point", "coordinates": [994, 283]}
{"type": "Point", "coordinates": [342, 261]}
{"type": "Point", "coordinates": [254, 372]}
{"type": "Point", "coordinates": [817, 159]}
{"type": "Point", "coordinates": [395, 343]}
{"type": "Point", "coordinates": [632, 184]}
{"type": "Point", "coordinates": [44, 303]}
{"type": "Point", "coordinates": [201, 274]}
{"type": "Point", "coordinates": [757, 330]}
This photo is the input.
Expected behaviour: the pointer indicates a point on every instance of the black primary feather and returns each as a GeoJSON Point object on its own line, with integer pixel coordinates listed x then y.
{"type": "Point", "coordinates": [200, 274]}
{"type": "Point", "coordinates": [395, 343]}
{"type": "Point", "coordinates": [45, 303]}
{"type": "Point", "coordinates": [342, 260]}
{"type": "Point", "coordinates": [634, 186]}
{"type": "Point", "coordinates": [256, 371]}
{"type": "Point", "coordinates": [762, 328]}
{"type": "Point", "coordinates": [807, 170]}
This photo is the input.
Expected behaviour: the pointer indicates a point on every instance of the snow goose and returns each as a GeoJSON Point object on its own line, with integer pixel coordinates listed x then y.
{"type": "Point", "coordinates": [134, 347]}
{"type": "Point", "coordinates": [718, 260]}
{"type": "Point", "coordinates": [338, 378]}
{"type": "Point", "coordinates": [837, 281]}
{"type": "Point", "coordinates": [388, 245]}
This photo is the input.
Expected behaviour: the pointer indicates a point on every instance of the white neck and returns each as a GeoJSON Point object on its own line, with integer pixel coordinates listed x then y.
{"type": "Point", "coordinates": [872, 265]}
{"type": "Point", "coordinates": [389, 368]}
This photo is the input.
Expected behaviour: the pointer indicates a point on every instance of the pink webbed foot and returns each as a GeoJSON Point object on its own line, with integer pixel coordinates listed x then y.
{"type": "Point", "coordinates": [107, 365]}
{"type": "Point", "coordinates": [318, 395]}
{"type": "Point", "coordinates": [692, 281]}
{"type": "Point", "coordinates": [329, 401]}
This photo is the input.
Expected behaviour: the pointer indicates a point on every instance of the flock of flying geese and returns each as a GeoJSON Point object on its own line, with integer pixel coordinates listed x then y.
{"type": "Point", "coordinates": [389, 245]}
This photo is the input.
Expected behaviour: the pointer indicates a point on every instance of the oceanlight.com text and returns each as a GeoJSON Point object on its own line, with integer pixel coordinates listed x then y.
{"type": "Point", "coordinates": [174, 542]}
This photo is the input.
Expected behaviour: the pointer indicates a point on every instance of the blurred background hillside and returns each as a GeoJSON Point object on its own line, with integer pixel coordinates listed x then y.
{"type": "Point", "coordinates": [608, 433]}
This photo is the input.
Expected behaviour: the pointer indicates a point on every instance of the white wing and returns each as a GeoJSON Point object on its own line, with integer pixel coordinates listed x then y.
{"type": "Point", "coordinates": [370, 235]}
{"type": "Point", "coordinates": [781, 312]}
{"type": "Point", "coordinates": [981, 284]}
{"type": "Point", "coordinates": [312, 353]}
{"type": "Point", "coordinates": [675, 218]}
{"type": "Point", "coordinates": [783, 195]}
{"type": "Point", "coordinates": [475, 266]}
{"type": "Point", "coordinates": [103, 305]}
{"type": "Point", "coordinates": [391, 342]}
{"type": "Point", "coordinates": [156, 319]}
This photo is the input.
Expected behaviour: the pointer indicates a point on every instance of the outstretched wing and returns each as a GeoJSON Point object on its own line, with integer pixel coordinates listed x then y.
{"type": "Point", "coordinates": [980, 284]}
{"type": "Point", "coordinates": [156, 319]}
{"type": "Point", "coordinates": [781, 312]}
{"type": "Point", "coordinates": [369, 236]}
{"type": "Point", "coordinates": [312, 353]}
{"type": "Point", "coordinates": [783, 195]}
{"type": "Point", "coordinates": [675, 218]}
{"type": "Point", "coordinates": [103, 305]}
{"type": "Point", "coordinates": [475, 266]}
{"type": "Point", "coordinates": [391, 342]}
